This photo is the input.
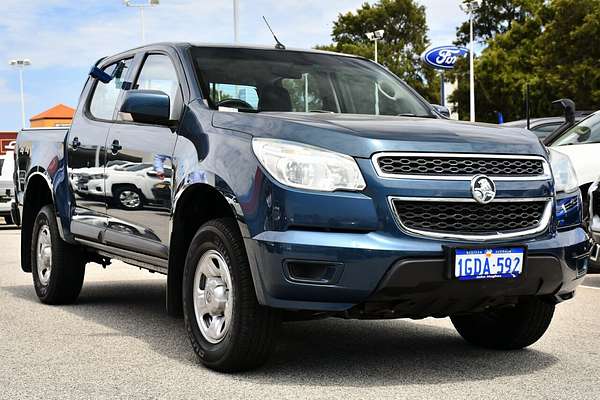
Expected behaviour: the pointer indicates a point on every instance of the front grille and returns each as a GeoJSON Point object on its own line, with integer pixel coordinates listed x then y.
{"type": "Point", "coordinates": [453, 165]}
{"type": "Point", "coordinates": [469, 217]}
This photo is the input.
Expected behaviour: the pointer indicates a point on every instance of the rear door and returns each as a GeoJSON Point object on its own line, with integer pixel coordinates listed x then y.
{"type": "Point", "coordinates": [140, 193]}
{"type": "Point", "coordinates": [86, 146]}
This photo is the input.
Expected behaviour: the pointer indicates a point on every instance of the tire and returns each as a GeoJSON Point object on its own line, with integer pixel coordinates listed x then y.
{"type": "Point", "coordinates": [246, 333]}
{"type": "Point", "coordinates": [62, 282]}
{"type": "Point", "coordinates": [8, 219]}
{"type": "Point", "coordinates": [508, 328]}
{"type": "Point", "coordinates": [128, 197]}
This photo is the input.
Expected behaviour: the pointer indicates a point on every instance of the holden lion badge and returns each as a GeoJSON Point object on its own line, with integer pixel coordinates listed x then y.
{"type": "Point", "coordinates": [483, 189]}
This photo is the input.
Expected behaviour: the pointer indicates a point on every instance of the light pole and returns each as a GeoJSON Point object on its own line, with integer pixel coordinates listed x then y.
{"type": "Point", "coordinates": [236, 21]}
{"type": "Point", "coordinates": [141, 6]}
{"type": "Point", "coordinates": [470, 9]}
{"type": "Point", "coordinates": [20, 65]}
{"type": "Point", "coordinates": [374, 37]}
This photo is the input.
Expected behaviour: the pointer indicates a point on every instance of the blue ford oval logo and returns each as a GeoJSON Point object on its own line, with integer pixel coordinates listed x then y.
{"type": "Point", "coordinates": [443, 57]}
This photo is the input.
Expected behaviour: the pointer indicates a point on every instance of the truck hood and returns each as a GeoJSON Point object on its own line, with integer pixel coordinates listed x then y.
{"type": "Point", "coordinates": [364, 135]}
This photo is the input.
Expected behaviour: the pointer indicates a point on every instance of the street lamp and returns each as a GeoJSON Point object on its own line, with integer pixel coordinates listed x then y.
{"type": "Point", "coordinates": [20, 65]}
{"type": "Point", "coordinates": [470, 9]}
{"type": "Point", "coordinates": [141, 6]}
{"type": "Point", "coordinates": [374, 37]}
{"type": "Point", "coordinates": [236, 21]}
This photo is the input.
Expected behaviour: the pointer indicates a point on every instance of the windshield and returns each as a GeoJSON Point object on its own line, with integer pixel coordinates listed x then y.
{"type": "Point", "coordinates": [292, 81]}
{"type": "Point", "coordinates": [587, 131]}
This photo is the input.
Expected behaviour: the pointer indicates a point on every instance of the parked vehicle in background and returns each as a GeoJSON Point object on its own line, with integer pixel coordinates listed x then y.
{"type": "Point", "coordinates": [594, 224]}
{"type": "Point", "coordinates": [129, 186]}
{"type": "Point", "coordinates": [582, 144]}
{"type": "Point", "coordinates": [302, 182]}
{"type": "Point", "coordinates": [7, 187]}
{"type": "Point", "coordinates": [542, 127]}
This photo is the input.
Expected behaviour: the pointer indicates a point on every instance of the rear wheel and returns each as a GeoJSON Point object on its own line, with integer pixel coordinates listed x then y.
{"type": "Point", "coordinates": [57, 267]}
{"type": "Point", "coordinates": [508, 328]}
{"type": "Point", "coordinates": [227, 327]}
{"type": "Point", "coordinates": [8, 219]}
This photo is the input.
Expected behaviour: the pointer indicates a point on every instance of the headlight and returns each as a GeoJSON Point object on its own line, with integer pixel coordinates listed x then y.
{"type": "Point", "coordinates": [306, 167]}
{"type": "Point", "coordinates": [565, 179]}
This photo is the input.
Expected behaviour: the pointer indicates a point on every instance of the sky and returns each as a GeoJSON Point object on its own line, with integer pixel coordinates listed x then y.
{"type": "Point", "coordinates": [63, 38]}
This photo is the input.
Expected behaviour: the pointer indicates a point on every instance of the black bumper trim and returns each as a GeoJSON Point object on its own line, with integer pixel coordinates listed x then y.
{"type": "Point", "coordinates": [418, 288]}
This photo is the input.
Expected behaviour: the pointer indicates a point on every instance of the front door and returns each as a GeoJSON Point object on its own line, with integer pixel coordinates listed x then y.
{"type": "Point", "coordinates": [139, 187]}
{"type": "Point", "coordinates": [86, 146]}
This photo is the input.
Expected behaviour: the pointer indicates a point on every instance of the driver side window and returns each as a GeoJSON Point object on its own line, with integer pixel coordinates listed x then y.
{"type": "Point", "coordinates": [158, 73]}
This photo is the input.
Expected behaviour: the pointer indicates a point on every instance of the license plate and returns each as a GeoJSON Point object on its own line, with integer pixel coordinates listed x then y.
{"type": "Point", "coordinates": [491, 263]}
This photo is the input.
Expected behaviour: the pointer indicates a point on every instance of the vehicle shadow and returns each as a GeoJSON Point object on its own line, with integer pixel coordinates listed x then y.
{"type": "Point", "coordinates": [327, 352]}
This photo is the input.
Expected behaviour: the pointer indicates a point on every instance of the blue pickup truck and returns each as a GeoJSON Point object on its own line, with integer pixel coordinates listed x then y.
{"type": "Point", "coordinates": [276, 184]}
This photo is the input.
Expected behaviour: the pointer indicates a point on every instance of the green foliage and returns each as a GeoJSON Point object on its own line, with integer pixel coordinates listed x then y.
{"type": "Point", "coordinates": [553, 50]}
{"type": "Point", "coordinates": [405, 39]}
{"type": "Point", "coordinates": [494, 17]}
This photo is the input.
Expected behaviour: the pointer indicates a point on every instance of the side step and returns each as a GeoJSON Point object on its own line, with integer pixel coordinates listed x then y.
{"type": "Point", "coordinates": [150, 263]}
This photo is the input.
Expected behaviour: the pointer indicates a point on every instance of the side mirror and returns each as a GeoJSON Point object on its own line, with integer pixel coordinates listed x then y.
{"type": "Point", "coordinates": [442, 110]}
{"type": "Point", "coordinates": [568, 107]}
{"type": "Point", "coordinates": [147, 106]}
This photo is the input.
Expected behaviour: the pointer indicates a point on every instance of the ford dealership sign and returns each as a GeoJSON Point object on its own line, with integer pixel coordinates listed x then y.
{"type": "Point", "coordinates": [443, 57]}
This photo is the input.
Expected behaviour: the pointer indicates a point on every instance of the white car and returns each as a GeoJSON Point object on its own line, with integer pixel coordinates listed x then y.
{"type": "Point", "coordinates": [582, 144]}
{"type": "Point", "coordinates": [7, 190]}
{"type": "Point", "coordinates": [81, 176]}
{"type": "Point", "coordinates": [130, 186]}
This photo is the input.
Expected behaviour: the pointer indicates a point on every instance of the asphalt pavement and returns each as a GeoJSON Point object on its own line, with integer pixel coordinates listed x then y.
{"type": "Point", "coordinates": [118, 342]}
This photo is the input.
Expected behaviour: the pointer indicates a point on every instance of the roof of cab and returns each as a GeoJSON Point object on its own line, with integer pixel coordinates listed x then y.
{"type": "Point", "coordinates": [184, 45]}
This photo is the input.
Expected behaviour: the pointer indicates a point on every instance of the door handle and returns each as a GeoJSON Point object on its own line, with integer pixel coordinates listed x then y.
{"type": "Point", "coordinates": [116, 146]}
{"type": "Point", "coordinates": [76, 143]}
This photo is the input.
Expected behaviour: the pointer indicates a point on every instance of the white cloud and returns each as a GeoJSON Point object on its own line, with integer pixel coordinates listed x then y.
{"type": "Point", "coordinates": [443, 16]}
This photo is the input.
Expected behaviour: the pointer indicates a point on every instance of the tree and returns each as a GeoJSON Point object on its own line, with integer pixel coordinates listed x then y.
{"type": "Point", "coordinates": [405, 39]}
{"type": "Point", "coordinates": [494, 17]}
{"type": "Point", "coordinates": [552, 50]}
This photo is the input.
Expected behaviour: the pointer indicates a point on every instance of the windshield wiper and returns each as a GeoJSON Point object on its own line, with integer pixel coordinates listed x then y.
{"type": "Point", "coordinates": [414, 115]}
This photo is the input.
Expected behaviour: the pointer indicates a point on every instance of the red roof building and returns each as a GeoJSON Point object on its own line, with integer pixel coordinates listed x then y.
{"type": "Point", "coordinates": [59, 115]}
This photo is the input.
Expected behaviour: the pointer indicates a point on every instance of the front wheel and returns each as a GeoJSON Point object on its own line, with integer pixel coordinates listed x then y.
{"type": "Point", "coordinates": [507, 328]}
{"type": "Point", "coordinates": [228, 329]}
{"type": "Point", "coordinates": [57, 267]}
{"type": "Point", "coordinates": [8, 219]}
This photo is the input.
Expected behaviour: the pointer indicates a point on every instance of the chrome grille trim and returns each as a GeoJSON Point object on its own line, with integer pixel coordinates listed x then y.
{"type": "Point", "coordinates": [541, 227]}
{"type": "Point", "coordinates": [547, 174]}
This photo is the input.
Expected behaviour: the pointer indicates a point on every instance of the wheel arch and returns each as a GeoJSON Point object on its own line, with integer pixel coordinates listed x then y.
{"type": "Point", "coordinates": [193, 206]}
{"type": "Point", "coordinates": [38, 193]}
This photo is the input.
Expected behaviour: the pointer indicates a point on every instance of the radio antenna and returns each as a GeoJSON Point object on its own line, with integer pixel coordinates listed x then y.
{"type": "Point", "coordinates": [279, 45]}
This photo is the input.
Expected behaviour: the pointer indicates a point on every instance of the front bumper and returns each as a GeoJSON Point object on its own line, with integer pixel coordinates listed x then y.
{"type": "Point", "coordinates": [380, 268]}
